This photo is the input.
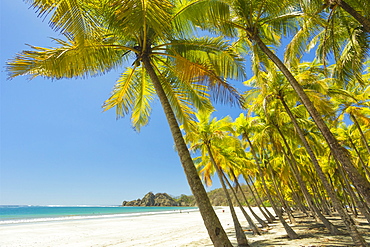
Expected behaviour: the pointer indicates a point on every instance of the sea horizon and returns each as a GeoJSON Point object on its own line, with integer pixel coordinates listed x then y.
{"type": "Point", "coordinates": [13, 214]}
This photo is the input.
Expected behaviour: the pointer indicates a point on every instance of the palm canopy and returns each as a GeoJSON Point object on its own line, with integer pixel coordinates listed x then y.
{"type": "Point", "coordinates": [335, 33]}
{"type": "Point", "coordinates": [210, 134]}
{"type": "Point", "coordinates": [246, 19]}
{"type": "Point", "coordinates": [105, 35]}
{"type": "Point", "coordinates": [272, 85]}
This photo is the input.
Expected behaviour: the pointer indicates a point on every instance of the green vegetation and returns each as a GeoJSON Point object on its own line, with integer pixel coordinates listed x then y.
{"type": "Point", "coordinates": [302, 138]}
{"type": "Point", "coordinates": [217, 198]}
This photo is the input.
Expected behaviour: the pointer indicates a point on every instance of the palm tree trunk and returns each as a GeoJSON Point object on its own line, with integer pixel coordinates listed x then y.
{"type": "Point", "coordinates": [355, 199]}
{"type": "Point", "coordinates": [338, 151]}
{"type": "Point", "coordinates": [320, 198]}
{"type": "Point", "coordinates": [280, 196]}
{"type": "Point", "coordinates": [351, 194]}
{"type": "Point", "coordinates": [257, 162]}
{"type": "Point", "coordinates": [264, 224]}
{"type": "Point", "coordinates": [351, 227]}
{"type": "Point", "coordinates": [240, 236]}
{"type": "Point", "coordinates": [298, 199]}
{"type": "Point", "coordinates": [291, 233]}
{"type": "Point", "coordinates": [247, 217]}
{"type": "Point", "coordinates": [211, 221]}
{"type": "Point", "coordinates": [364, 209]}
{"type": "Point", "coordinates": [358, 154]}
{"type": "Point", "coordinates": [259, 203]}
{"type": "Point", "coordinates": [293, 166]}
{"type": "Point", "coordinates": [317, 189]}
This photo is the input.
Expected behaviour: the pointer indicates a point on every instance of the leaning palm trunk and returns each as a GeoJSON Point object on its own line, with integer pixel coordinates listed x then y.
{"type": "Point", "coordinates": [247, 217]}
{"type": "Point", "coordinates": [240, 236]}
{"type": "Point", "coordinates": [350, 193]}
{"type": "Point", "coordinates": [318, 190]}
{"type": "Point", "coordinates": [293, 167]}
{"type": "Point", "coordinates": [340, 153]}
{"type": "Point", "coordinates": [298, 199]}
{"type": "Point", "coordinates": [264, 224]}
{"type": "Point", "coordinates": [350, 225]}
{"type": "Point", "coordinates": [355, 199]}
{"type": "Point", "coordinates": [280, 196]}
{"type": "Point", "coordinates": [270, 218]}
{"type": "Point", "coordinates": [291, 233]}
{"type": "Point", "coordinates": [361, 160]}
{"type": "Point", "coordinates": [211, 221]}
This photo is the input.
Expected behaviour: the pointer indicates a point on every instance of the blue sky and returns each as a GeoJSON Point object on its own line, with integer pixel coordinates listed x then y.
{"type": "Point", "coordinates": [58, 147]}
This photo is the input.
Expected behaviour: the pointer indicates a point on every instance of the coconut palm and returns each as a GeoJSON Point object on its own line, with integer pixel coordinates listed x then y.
{"type": "Point", "coordinates": [104, 35]}
{"type": "Point", "coordinates": [229, 158]}
{"type": "Point", "coordinates": [279, 91]}
{"type": "Point", "coordinates": [259, 25]}
{"type": "Point", "coordinates": [268, 216]}
{"type": "Point", "coordinates": [238, 186]}
{"type": "Point", "coordinates": [205, 136]}
{"type": "Point", "coordinates": [334, 34]}
{"type": "Point", "coordinates": [244, 128]}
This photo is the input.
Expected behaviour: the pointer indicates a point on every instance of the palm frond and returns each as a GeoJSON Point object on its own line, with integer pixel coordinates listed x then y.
{"type": "Point", "coordinates": [139, 17]}
{"type": "Point", "coordinates": [71, 17]}
{"type": "Point", "coordinates": [210, 61]}
{"type": "Point", "coordinates": [67, 60]}
{"type": "Point", "coordinates": [144, 96]}
{"type": "Point", "coordinates": [124, 93]}
{"type": "Point", "coordinates": [194, 14]}
{"type": "Point", "coordinates": [181, 95]}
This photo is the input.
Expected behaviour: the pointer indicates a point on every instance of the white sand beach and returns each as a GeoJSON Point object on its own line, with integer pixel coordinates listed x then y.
{"type": "Point", "coordinates": [168, 230]}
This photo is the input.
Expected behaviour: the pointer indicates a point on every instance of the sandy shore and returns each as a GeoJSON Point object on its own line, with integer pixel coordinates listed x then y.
{"type": "Point", "coordinates": [175, 229]}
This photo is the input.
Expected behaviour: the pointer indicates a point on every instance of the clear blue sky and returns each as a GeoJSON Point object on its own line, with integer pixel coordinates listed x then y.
{"type": "Point", "coordinates": [58, 147]}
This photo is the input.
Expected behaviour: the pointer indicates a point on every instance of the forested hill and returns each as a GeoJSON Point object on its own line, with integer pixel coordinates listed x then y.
{"type": "Point", "coordinates": [216, 196]}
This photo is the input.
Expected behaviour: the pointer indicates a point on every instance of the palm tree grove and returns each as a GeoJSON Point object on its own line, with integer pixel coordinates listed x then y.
{"type": "Point", "coordinates": [299, 71]}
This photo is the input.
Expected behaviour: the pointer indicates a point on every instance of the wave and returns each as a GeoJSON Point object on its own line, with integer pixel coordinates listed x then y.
{"type": "Point", "coordinates": [83, 217]}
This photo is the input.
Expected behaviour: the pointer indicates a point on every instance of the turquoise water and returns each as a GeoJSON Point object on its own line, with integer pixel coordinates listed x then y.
{"type": "Point", "coordinates": [11, 214]}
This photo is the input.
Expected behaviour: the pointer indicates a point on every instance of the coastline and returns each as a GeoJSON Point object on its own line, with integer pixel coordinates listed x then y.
{"type": "Point", "coordinates": [17, 214]}
{"type": "Point", "coordinates": [177, 229]}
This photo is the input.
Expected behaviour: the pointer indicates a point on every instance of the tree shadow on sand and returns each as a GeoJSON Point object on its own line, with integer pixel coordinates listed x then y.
{"type": "Point", "coordinates": [311, 234]}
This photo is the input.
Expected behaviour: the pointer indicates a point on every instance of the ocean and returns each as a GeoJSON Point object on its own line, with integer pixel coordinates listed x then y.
{"type": "Point", "coordinates": [13, 214]}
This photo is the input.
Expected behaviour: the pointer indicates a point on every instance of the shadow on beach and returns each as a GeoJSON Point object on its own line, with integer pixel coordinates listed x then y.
{"type": "Point", "coordinates": [311, 234]}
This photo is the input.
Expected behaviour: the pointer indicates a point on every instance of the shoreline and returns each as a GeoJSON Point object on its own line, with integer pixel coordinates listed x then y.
{"type": "Point", "coordinates": [106, 215]}
{"type": "Point", "coordinates": [177, 229]}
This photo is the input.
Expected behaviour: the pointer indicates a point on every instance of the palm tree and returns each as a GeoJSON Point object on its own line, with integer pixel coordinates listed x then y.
{"type": "Point", "coordinates": [238, 186]}
{"type": "Point", "coordinates": [260, 25]}
{"type": "Point", "coordinates": [244, 129]}
{"type": "Point", "coordinates": [279, 91]}
{"type": "Point", "coordinates": [103, 35]}
{"type": "Point", "coordinates": [334, 34]}
{"type": "Point", "coordinates": [270, 218]}
{"type": "Point", "coordinates": [205, 136]}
